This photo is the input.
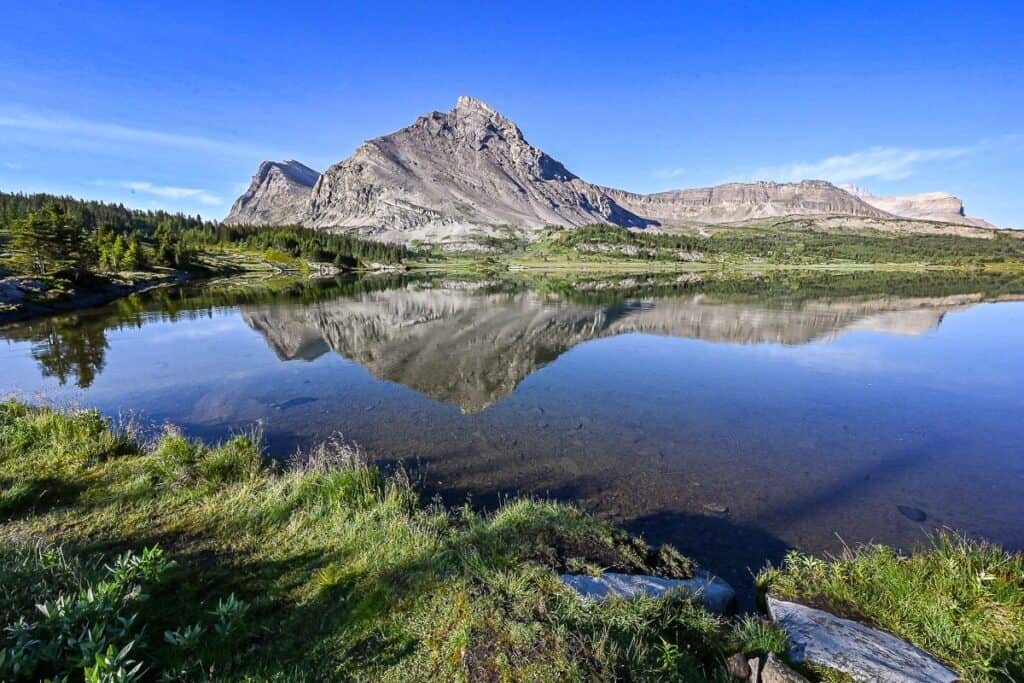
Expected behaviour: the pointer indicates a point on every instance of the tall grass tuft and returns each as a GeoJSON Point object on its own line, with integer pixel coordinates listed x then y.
{"type": "Point", "coordinates": [757, 637]}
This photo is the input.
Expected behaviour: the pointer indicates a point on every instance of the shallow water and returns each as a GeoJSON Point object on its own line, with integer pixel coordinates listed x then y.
{"type": "Point", "coordinates": [735, 426]}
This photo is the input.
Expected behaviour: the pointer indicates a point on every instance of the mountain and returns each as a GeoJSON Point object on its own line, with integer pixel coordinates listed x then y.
{"type": "Point", "coordinates": [470, 172]}
{"type": "Point", "coordinates": [456, 171]}
{"type": "Point", "coordinates": [930, 206]}
{"type": "Point", "coordinates": [277, 195]}
{"type": "Point", "coordinates": [743, 201]}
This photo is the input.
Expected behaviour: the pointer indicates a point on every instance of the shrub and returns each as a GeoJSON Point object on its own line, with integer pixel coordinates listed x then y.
{"type": "Point", "coordinates": [63, 616]}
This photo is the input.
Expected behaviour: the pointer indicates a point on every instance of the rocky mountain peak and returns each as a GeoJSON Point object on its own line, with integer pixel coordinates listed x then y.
{"type": "Point", "coordinates": [469, 172]}
{"type": "Point", "coordinates": [293, 170]}
{"type": "Point", "coordinates": [277, 194]}
{"type": "Point", "coordinates": [469, 103]}
{"type": "Point", "coordinates": [473, 115]}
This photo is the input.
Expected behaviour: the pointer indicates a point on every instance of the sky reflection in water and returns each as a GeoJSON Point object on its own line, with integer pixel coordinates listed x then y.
{"type": "Point", "coordinates": [810, 421]}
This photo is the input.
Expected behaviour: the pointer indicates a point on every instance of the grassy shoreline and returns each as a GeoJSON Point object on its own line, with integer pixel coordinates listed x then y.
{"type": "Point", "coordinates": [333, 569]}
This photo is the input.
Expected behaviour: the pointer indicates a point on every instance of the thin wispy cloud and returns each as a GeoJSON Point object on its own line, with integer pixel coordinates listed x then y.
{"type": "Point", "coordinates": [170, 192]}
{"type": "Point", "coordinates": [668, 173]}
{"type": "Point", "coordinates": [882, 163]}
{"type": "Point", "coordinates": [53, 123]}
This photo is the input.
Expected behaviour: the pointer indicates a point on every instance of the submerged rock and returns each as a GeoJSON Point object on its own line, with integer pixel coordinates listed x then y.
{"type": "Point", "coordinates": [716, 595]}
{"type": "Point", "coordinates": [913, 514]}
{"type": "Point", "coordinates": [10, 292]}
{"type": "Point", "coordinates": [863, 653]}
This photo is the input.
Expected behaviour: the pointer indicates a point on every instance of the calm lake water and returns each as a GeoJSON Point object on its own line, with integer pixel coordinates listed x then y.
{"type": "Point", "coordinates": [734, 425]}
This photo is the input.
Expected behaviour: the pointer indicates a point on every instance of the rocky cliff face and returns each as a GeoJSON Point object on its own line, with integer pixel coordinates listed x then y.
{"type": "Point", "coordinates": [277, 195]}
{"type": "Point", "coordinates": [743, 201]}
{"type": "Point", "coordinates": [929, 206]}
{"type": "Point", "coordinates": [470, 172]}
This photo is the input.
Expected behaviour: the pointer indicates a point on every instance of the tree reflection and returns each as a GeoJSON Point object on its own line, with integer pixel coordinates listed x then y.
{"type": "Point", "coordinates": [70, 352]}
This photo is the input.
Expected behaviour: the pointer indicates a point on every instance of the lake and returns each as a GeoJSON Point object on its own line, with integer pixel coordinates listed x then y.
{"type": "Point", "coordinates": [734, 421]}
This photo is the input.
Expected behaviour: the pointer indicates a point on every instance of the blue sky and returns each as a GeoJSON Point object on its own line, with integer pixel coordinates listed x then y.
{"type": "Point", "coordinates": [173, 105]}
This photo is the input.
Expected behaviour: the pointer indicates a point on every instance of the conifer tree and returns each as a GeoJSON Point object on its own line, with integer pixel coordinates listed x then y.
{"type": "Point", "coordinates": [51, 242]}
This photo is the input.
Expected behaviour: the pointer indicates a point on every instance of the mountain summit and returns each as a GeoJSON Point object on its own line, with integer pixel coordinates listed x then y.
{"type": "Point", "coordinates": [277, 194]}
{"type": "Point", "coordinates": [455, 173]}
{"type": "Point", "coordinates": [470, 172]}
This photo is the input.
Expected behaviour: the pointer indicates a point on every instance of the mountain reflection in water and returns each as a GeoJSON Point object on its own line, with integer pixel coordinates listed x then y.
{"type": "Point", "coordinates": [473, 349]}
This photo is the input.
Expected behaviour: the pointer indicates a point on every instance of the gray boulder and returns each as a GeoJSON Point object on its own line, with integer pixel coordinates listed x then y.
{"type": "Point", "coordinates": [716, 595]}
{"type": "Point", "coordinates": [863, 653]}
{"type": "Point", "coordinates": [776, 671]}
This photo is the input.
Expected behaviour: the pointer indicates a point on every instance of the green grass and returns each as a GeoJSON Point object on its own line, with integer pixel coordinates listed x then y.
{"type": "Point", "coordinates": [784, 243]}
{"type": "Point", "coordinates": [332, 570]}
{"type": "Point", "coordinates": [756, 637]}
{"type": "Point", "coordinates": [177, 559]}
{"type": "Point", "coordinates": [959, 599]}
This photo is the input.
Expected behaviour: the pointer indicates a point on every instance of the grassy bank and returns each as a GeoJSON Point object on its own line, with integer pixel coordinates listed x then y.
{"type": "Point", "coordinates": [334, 570]}
{"type": "Point", "coordinates": [961, 601]}
{"type": "Point", "coordinates": [175, 559]}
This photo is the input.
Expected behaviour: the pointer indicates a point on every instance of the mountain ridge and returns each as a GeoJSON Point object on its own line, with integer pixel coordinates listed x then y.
{"type": "Point", "coordinates": [470, 172]}
{"type": "Point", "coordinates": [935, 206]}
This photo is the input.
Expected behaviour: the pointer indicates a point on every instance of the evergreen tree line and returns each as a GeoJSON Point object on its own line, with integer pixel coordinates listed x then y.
{"type": "Point", "coordinates": [48, 234]}
{"type": "Point", "coordinates": [313, 245]}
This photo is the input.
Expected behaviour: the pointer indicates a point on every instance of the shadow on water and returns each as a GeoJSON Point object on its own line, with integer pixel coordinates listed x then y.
{"type": "Point", "coordinates": [860, 482]}
{"type": "Point", "coordinates": [732, 551]}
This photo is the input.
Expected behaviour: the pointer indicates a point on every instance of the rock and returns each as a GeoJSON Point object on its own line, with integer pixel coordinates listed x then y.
{"type": "Point", "coordinates": [863, 653]}
{"type": "Point", "coordinates": [716, 595]}
{"type": "Point", "coordinates": [456, 174]}
{"type": "Point", "coordinates": [717, 508]}
{"type": "Point", "coordinates": [738, 666]}
{"type": "Point", "coordinates": [776, 671]}
{"type": "Point", "coordinates": [913, 514]}
{"type": "Point", "coordinates": [754, 666]}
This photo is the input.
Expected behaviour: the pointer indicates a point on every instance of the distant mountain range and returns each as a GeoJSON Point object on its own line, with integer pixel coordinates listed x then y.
{"type": "Point", "coordinates": [470, 172]}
